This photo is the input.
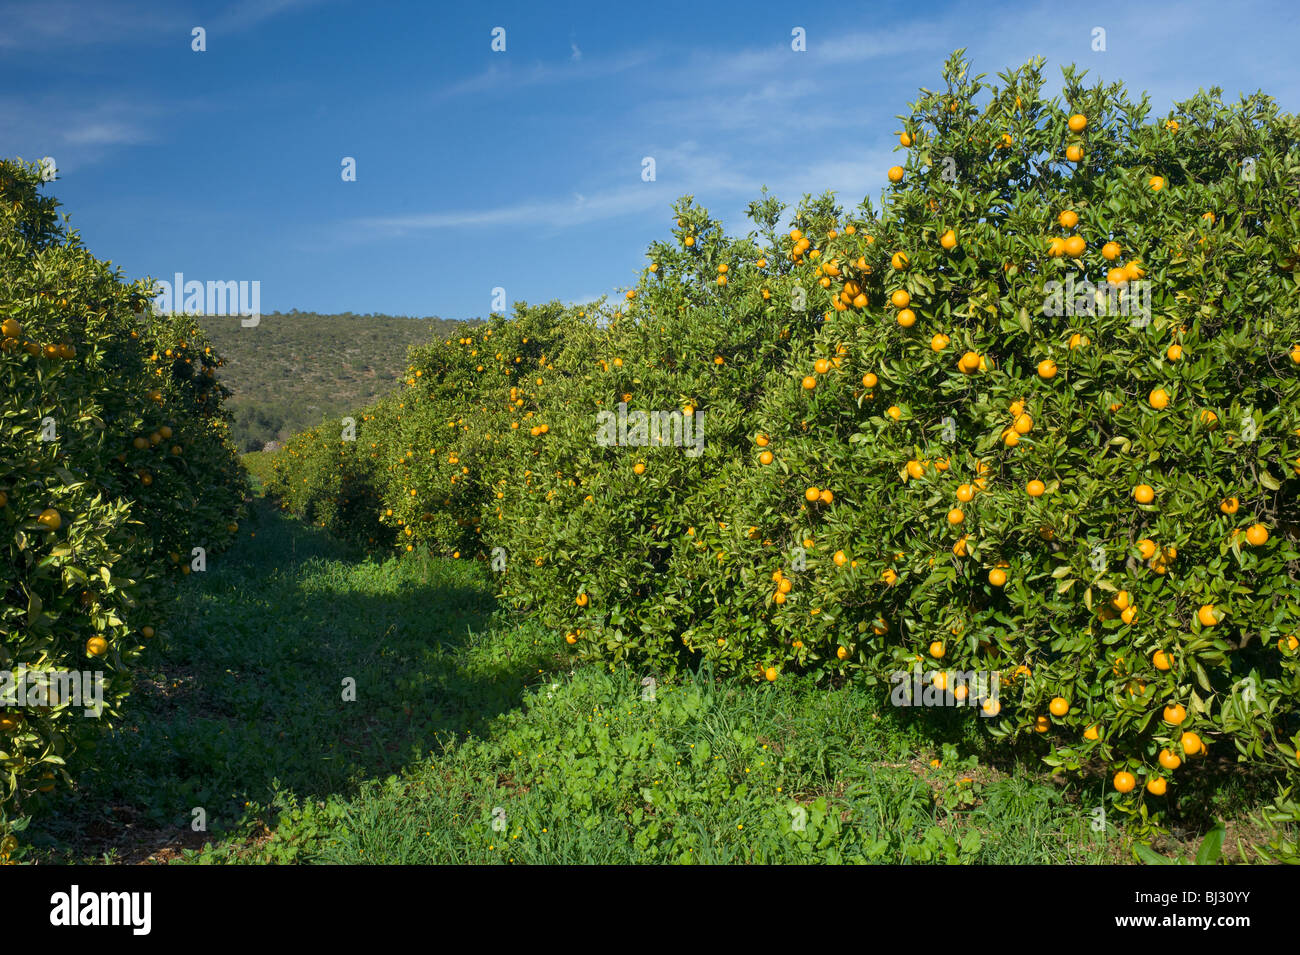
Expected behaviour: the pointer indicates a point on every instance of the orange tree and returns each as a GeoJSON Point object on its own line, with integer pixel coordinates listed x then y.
{"type": "Point", "coordinates": [112, 454]}
{"type": "Point", "coordinates": [1037, 416]}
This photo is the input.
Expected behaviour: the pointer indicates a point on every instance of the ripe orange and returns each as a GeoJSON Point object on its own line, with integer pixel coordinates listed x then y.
{"type": "Point", "coordinates": [894, 412]}
{"type": "Point", "coordinates": [991, 707]}
{"type": "Point", "coordinates": [821, 366]}
{"type": "Point", "coordinates": [1289, 642]}
{"type": "Point", "coordinates": [1042, 724]}
{"type": "Point", "coordinates": [570, 639]}
{"type": "Point", "coordinates": [1257, 535]}
{"type": "Point", "coordinates": [869, 380]}
{"type": "Point", "coordinates": [1075, 246]}
{"type": "Point", "coordinates": [1129, 614]}
{"type": "Point", "coordinates": [969, 362]}
{"type": "Point", "coordinates": [1124, 782]}
{"type": "Point", "coordinates": [904, 140]}
{"type": "Point", "coordinates": [1035, 488]}
{"type": "Point", "coordinates": [811, 494]}
{"type": "Point", "coordinates": [1207, 615]}
{"type": "Point", "coordinates": [899, 261]}
{"type": "Point", "coordinates": [1077, 122]}
{"type": "Point", "coordinates": [50, 518]}
{"type": "Point", "coordinates": [959, 548]}
{"type": "Point", "coordinates": [1229, 505]}
{"type": "Point", "coordinates": [1175, 714]}
{"type": "Point", "coordinates": [1162, 660]}
{"type": "Point", "coordinates": [956, 516]}
{"type": "Point", "coordinates": [997, 577]}
{"type": "Point", "coordinates": [1191, 743]}
{"type": "Point", "coordinates": [762, 440]}
{"type": "Point", "coordinates": [939, 342]}
{"type": "Point", "coordinates": [948, 240]}
{"type": "Point", "coordinates": [1024, 424]}
{"type": "Point", "coordinates": [1158, 399]}
{"type": "Point", "coordinates": [937, 649]}
{"type": "Point", "coordinates": [895, 173]}
{"type": "Point", "coordinates": [839, 558]}
{"type": "Point", "coordinates": [639, 468]}
{"type": "Point", "coordinates": [581, 600]}
{"type": "Point", "coordinates": [1093, 732]}
{"type": "Point", "coordinates": [1147, 548]}
{"type": "Point", "coordinates": [809, 383]}
{"type": "Point", "coordinates": [1156, 183]}
{"type": "Point", "coordinates": [1068, 219]}
{"type": "Point", "coordinates": [841, 653]}
{"type": "Point", "coordinates": [1156, 786]}
{"type": "Point", "coordinates": [765, 457]}
{"type": "Point", "coordinates": [965, 493]}
{"type": "Point", "coordinates": [96, 646]}
{"type": "Point", "coordinates": [907, 318]}
{"type": "Point", "coordinates": [1059, 706]}
{"type": "Point", "coordinates": [826, 496]}
{"type": "Point", "coordinates": [900, 298]}
{"type": "Point", "coordinates": [1046, 369]}
{"type": "Point", "coordinates": [1169, 759]}
{"type": "Point", "coordinates": [1110, 251]}
{"type": "Point", "coordinates": [1144, 494]}
{"type": "Point", "coordinates": [770, 673]}
{"type": "Point", "coordinates": [1074, 153]}
{"type": "Point", "coordinates": [1174, 352]}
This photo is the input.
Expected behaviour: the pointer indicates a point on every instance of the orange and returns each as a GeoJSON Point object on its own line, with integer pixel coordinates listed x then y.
{"type": "Point", "coordinates": [1055, 246]}
{"type": "Point", "coordinates": [937, 650]}
{"type": "Point", "coordinates": [581, 600]}
{"type": "Point", "coordinates": [1124, 782]}
{"type": "Point", "coordinates": [965, 493]}
{"type": "Point", "coordinates": [907, 318]}
{"type": "Point", "coordinates": [948, 240]}
{"type": "Point", "coordinates": [1289, 642]}
{"type": "Point", "coordinates": [1147, 548]}
{"type": "Point", "coordinates": [1191, 743]}
{"type": "Point", "coordinates": [1093, 732]}
{"type": "Point", "coordinates": [904, 140]}
{"type": "Point", "coordinates": [639, 468]}
{"type": "Point", "coordinates": [11, 328]}
{"type": "Point", "coordinates": [1075, 246]}
{"type": "Point", "coordinates": [1174, 352]}
{"type": "Point", "coordinates": [50, 518]}
{"type": "Point", "coordinates": [1229, 505]}
{"type": "Point", "coordinates": [770, 673]}
{"type": "Point", "coordinates": [1042, 724]}
{"type": "Point", "coordinates": [969, 362]}
{"type": "Point", "coordinates": [1078, 341]}
{"type": "Point", "coordinates": [779, 597]}
{"type": "Point", "coordinates": [1156, 786]}
{"type": "Point", "coordinates": [899, 261]}
{"type": "Point", "coordinates": [1074, 153]}
{"type": "Point", "coordinates": [762, 440]}
{"type": "Point", "coordinates": [1156, 183]}
{"type": "Point", "coordinates": [827, 496]}
{"type": "Point", "coordinates": [915, 469]}
{"type": "Point", "coordinates": [939, 342]}
{"type": "Point", "coordinates": [841, 653]}
{"type": "Point", "coordinates": [811, 494]}
{"type": "Point", "coordinates": [1129, 614]}
{"type": "Point", "coordinates": [1207, 616]}
{"type": "Point", "coordinates": [689, 241]}
{"type": "Point", "coordinates": [96, 646]}
{"type": "Point", "coordinates": [1175, 714]}
{"type": "Point", "coordinates": [147, 632]}
{"type": "Point", "coordinates": [570, 639]}
{"type": "Point", "coordinates": [784, 585]}
{"type": "Point", "coordinates": [839, 558]}
{"type": "Point", "coordinates": [1046, 369]}
{"type": "Point", "coordinates": [1077, 122]}
{"type": "Point", "coordinates": [1162, 660]}
{"type": "Point", "coordinates": [991, 707]}
{"type": "Point", "coordinates": [809, 383]}
{"type": "Point", "coordinates": [956, 516]}
{"type": "Point", "coordinates": [1144, 494]}
{"type": "Point", "coordinates": [869, 380]}
{"type": "Point", "coordinates": [821, 366]}
{"type": "Point", "coordinates": [894, 412]}
{"type": "Point", "coordinates": [1059, 706]}
{"type": "Point", "coordinates": [1257, 535]}
{"type": "Point", "coordinates": [765, 457]}
{"type": "Point", "coordinates": [1035, 488]}
{"type": "Point", "coordinates": [900, 298]}
{"type": "Point", "coordinates": [1024, 424]}
{"type": "Point", "coordinates": [1158, 399]}
{"type": "Point", "coordinates": [997, 577]}
{"type": "Point", "coordinates": [1068, 219]}
{"type": "Point", "coordinates": [959, 548]}
{"type": "Point", "coordinates": [895, 173]}
{"type": "Point", "coordinates": [1110, 251]}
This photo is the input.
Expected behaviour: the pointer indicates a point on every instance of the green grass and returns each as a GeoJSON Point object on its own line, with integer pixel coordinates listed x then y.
{"type": "Point", "coordinates": [460, 711]}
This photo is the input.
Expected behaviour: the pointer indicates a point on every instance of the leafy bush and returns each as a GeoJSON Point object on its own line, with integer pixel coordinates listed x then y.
{"type": "Point", "coordinates": [113, 462]}
{"type": "Point", "coordinates": [917, 448]}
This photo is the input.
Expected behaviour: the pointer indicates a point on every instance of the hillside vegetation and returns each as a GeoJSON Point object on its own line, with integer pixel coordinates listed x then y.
{"type": "Point", "coordinates": [913, 455]}
{"type": "Point", "coordinates": [292, 369]}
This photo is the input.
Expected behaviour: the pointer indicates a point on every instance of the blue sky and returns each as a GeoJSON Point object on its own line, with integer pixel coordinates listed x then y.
{"type": "Point", "coordinates": [519, 169]}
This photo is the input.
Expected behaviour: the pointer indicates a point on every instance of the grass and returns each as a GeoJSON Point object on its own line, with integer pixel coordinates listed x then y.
{"type": "Point", "coordinates": [472, 739]}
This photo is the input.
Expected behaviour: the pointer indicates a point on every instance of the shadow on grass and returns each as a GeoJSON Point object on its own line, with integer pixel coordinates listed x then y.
{"type": "Point", "coordinates": [294, 664]}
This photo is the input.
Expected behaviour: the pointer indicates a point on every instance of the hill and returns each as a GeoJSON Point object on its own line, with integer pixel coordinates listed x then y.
{"type": "Point", "coordinates": [294, 368]}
